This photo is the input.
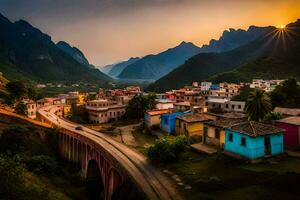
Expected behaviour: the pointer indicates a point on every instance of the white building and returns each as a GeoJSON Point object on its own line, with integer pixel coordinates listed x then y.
{"type": "Point", "coordinates": [224, 104]}
{"type": "Point", "coordinates": [205, 86]}
{"type": "Point", "coordinates": [102, 111]}
{"type": "Point", "coordinates": [162, 104]}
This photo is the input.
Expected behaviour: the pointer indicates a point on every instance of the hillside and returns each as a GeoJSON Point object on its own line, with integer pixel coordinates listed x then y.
{"type": "Point", "coordinates": [117, 69]}
{"type": "Point", "coordinates": [282, 62]}
{"type": "Point", "coordinates": [155, 66]}
{"type": "Point", "coordinates": [152, 67]}
{"type": "Point", "coordinates": [73, 51]}
{"type": "Point", "coordinates": [27, 53]}
{"type": "Point", "coordinates": [231, 39]}
{"type": "Point", "coordinates": [273, 55]}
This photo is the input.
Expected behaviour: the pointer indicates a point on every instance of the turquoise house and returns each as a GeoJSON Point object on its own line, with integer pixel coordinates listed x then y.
{"type": "Point", "coordinates": [167, 121]}
{"type": "Point", "coordinates": [253, 140]}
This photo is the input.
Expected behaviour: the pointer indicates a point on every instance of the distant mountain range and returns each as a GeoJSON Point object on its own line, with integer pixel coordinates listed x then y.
{"type": "Point", "coordinates": [275, 53]}
{"type": "Point", "coordinates": [153, 67]}
{"type": "Point", "coordinates": [114, 70]}
{"type": "Point", "coordinates": [27, 53]}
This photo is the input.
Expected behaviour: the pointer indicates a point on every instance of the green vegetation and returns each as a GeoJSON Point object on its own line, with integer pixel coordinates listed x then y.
{"type": "Point", "coordinates": [21, 109]}
{"type": "Point", "coordinates": [167, 149]}
{"type": "Point", "coordinates": [287, 94]}
{"type": "Point", "coordinates": [79, 114]}
{"type": "Point", "coordinates": [30, 167]}
{"type": "Point", "coordinates": [244, 93]}
{"type": "Point", "coordinates": [138, 105]}
{"type": "Point", "coordinates": [222, 177]}
{"type": "Point", "coordinates": [271, 117]}
{"type": "Point", "coordinates": [258, 105]}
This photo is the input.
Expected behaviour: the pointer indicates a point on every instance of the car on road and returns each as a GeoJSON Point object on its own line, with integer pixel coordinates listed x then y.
{"type": "Point", "coordinates": [79, 128]}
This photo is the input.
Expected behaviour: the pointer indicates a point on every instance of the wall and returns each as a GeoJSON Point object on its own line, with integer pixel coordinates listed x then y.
{"type": "Point", "coordinates": [169, 127]}
{"type": "Point", "coordinates": [254, 145]}
{"type": "Point", "coordinates": [212, 140]}
{"type": "Point", "coordinates": [152, 120]}
{"type": "Point", "coordinates": [291, 134]}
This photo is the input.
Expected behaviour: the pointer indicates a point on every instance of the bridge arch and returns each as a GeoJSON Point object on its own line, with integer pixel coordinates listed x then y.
{"type": "Point", "coordinates": [94, 181]}
{"type": "Point", "coordinates": [114, 184]}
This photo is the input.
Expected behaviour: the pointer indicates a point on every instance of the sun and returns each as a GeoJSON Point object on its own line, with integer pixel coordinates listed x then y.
{"type": "Point", "coordinates": [281, 26]}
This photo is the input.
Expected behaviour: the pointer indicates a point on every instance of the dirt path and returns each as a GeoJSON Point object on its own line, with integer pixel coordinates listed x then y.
{"type": "Point", "coordinates": [126, 134]}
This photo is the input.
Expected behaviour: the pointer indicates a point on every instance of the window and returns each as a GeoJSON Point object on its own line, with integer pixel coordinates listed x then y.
{"type": "Point", "coordinates": [232, 106]}
{"type": "Point", "coordinates": [217, 133]}
{"type": "Point", "coordinates": [240, 106]}
{"type": "Point", "coordinates": [226, 105]}
{"type": "Point", "coordinates": [230, 137]}
{"type": "Point", "coordinates": [243, 141]}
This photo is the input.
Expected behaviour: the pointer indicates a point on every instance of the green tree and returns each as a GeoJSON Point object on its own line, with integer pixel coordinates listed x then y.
{"type": "Point", "coordinates": [287, 94]}
{"type": "Point", "coordinates": [271, 117]}
{"type": "Point", "coordinates": [79, 114]}
{"type": "Point", "coordinates": [16, 89]}
{"type": "Point", "coordinates": [258, 105]}
{"type": "Point", "coordinates": [139, 104]}
{"type": "Point", "coordinates": [243, 95]}
{"type": "Point", "coordinates": [167, 149]}
{"type": "Point", "coordinates": [21, 109]}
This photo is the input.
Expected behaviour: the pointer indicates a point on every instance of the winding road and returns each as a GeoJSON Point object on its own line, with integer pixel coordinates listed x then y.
{"type": "Point", "coordinates": [151, 181]}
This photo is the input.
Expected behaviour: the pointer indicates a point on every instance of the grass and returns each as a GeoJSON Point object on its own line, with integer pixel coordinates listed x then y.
{"type": "Point", "coordinates": [221, 177]}
{"type": "Point", "coordinates": [143, 140]}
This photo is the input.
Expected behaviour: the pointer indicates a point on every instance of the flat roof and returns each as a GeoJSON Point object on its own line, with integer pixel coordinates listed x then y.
{"type": "Point", "coordinates": [158, 112]}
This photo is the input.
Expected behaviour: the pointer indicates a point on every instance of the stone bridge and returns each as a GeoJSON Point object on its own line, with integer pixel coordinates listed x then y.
{"type": "Point", "coordinates": [112, 170]}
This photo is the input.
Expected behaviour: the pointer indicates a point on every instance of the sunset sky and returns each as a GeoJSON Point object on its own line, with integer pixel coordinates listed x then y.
{"type": "Point", "coordinates": [112, 30]}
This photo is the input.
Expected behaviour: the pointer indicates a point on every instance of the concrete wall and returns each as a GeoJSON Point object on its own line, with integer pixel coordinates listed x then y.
{"type": "Point", "coordinates": [254, 145]}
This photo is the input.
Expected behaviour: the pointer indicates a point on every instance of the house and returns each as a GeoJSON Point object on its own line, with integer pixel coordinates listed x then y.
{"type": "Point", "coordinates": [192, 125]}
{"type": "Point", "coordinates": [167, 121]}
{"type": "Point", "coordinates": [291, 125]}
{"type": "Point", "coordinates": [182, 106]}
{"type": "Point", "coordinates": [224, 104]}
{"type": "Point", "coordinates": [103, 111]}
{"type": "Point", "coordinates": [253, 140]}
{"type": "Point", "coordinates": [287, 112]}
{"type": "Point", "coordinates": [152, 117]}
{"type": "Point", "coordinates": [162, 104]}
{"type": "Point", "coordinates": [31, 108]}
{"type": "Point", "coordinates": [214, 131]}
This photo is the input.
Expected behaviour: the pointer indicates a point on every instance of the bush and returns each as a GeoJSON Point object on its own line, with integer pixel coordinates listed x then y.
{"type": "Point", "coordinates": [167, 149]}
{"type": "Point", "coordinates": [42, 164]}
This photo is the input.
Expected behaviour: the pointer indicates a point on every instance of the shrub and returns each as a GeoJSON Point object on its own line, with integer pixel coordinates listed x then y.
{"type": "Point", "coordinates": [42, 164]}
{"type": "Point", "coordinates": [167, 149]}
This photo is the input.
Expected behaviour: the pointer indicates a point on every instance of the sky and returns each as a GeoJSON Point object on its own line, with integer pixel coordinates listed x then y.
{"type": "Point", "coordinates": [109, 31]}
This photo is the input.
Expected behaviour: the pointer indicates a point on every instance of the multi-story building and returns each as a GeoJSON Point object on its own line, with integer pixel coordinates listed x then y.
{"type": "Point", "coordinates": [31, 108]}
{"type": "Point", "coordinates": [103, 111]}
{"type": "Point", "coordinates": [224, 104]}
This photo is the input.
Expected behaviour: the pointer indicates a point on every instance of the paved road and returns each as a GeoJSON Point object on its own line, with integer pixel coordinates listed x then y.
{"type": "Point", "coordinates": [151, 181]}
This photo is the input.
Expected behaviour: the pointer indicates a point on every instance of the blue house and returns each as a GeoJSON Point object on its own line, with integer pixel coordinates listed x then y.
{"type": "Point", "coordinates": [214, 87]}
{"type": "Point", "coordinates": [253, 140]}
{"type": "Point", "coordinates": [167, 121]}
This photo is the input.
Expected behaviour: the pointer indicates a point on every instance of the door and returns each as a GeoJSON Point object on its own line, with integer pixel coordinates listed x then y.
{"type": "Point", "coordinates": [267, 146]}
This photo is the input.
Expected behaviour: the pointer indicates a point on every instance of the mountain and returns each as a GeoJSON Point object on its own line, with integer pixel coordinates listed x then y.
{"type": "Point", "coordinates": [282, 62]}
{"type": "Point", "coordinates": [74, 52]}
{"type": "Point", "coordinates": [232, 39]}
{"type": "Point", "coordinates": [117, 69]}
{"type": "Point", "coordinates": [152, 67]}
{"type": "Point", "coordinates": [156, 66]}
{"type": "Point", "coordinates": [105, 69]}
{"type": "Point", "coordinates": [27, 53]}
{"type": "Point", "coordinates": [275, 54]}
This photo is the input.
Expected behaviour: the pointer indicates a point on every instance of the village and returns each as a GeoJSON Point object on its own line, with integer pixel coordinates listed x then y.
{"type": "Point", "coordinates": [206, 113]}
{"type": "Point", "coordinates": [202, 136]}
